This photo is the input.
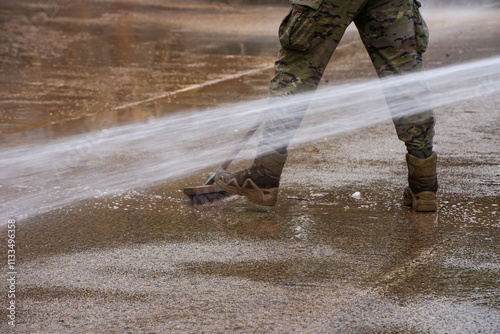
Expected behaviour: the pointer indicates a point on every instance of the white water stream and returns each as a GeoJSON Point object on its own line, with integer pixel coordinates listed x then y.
{"type": "Point", "coordinates": [50, 175]}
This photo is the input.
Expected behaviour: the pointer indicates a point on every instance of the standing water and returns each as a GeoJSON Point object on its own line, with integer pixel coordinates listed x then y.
{"type": "Point", "coordinates": [49, 175]}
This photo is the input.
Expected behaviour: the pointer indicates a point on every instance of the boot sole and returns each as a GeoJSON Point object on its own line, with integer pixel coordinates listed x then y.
{"type": "Point", "coordinates": [421, 202]}
{"type": "Point", "coordinates": [266, 197]}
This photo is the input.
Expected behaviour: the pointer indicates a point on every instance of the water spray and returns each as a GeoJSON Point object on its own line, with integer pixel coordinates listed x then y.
{"type": "Point", "coordinates": [50, 175]}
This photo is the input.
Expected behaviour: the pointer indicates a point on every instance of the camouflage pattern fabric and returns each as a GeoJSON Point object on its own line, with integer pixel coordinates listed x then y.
{"type": "Point", "coordinates": [394, 34]}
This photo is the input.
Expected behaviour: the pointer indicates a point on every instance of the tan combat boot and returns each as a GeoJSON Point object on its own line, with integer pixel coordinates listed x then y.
{"type": "Point", "coordinates": [423, 185]}
{"type": "Point", "coordinates": [259, 183]}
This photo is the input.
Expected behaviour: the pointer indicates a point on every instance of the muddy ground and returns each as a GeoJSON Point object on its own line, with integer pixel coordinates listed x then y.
{"type": "Point", "coordinates": [321, 261]}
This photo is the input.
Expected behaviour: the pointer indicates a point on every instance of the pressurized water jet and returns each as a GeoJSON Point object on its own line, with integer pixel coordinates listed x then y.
{"type": "Point", "coordinates": [50, 175]}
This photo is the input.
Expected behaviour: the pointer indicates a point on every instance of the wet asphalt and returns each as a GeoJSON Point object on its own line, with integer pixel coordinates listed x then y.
{"type": "Point", "coordinates": [321, 261]}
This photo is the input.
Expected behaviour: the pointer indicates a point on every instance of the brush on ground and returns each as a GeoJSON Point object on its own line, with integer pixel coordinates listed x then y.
{"type": "Point", "coordinates": [205, 194]}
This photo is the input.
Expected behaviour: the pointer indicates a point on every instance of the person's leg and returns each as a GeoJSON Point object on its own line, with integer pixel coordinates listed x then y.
{"type": "Point", "coordinates": [308, 40]}
{"type": "Point", "coordinates": [395, 36]}
{"type": "Point", "coordinates": [309, 35]}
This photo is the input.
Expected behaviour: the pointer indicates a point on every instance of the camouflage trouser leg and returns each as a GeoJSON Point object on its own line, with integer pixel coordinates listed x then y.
{"type": "Point", "coordinates": [395, 37]}
{"type": "Point", "coordinates": [309, 35]}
